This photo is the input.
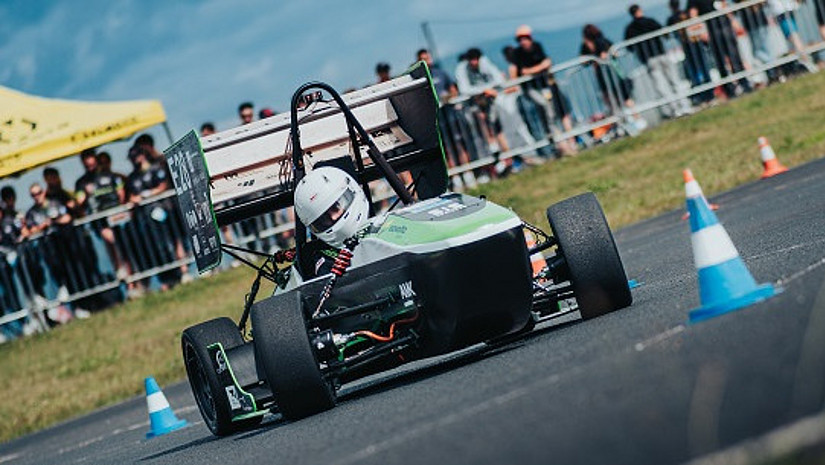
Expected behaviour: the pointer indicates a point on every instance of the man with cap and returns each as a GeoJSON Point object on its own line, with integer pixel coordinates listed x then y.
{"type": "Point", "coordinates": [529, 59]}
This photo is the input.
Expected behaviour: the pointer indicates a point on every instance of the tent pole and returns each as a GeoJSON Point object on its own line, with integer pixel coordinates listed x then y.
{"type": "Point", "coordinates": [168, 133]}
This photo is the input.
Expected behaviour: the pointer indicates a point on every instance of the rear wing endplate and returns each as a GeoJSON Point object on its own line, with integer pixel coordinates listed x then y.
{"type": "Point", "coordinates": [191, 179]}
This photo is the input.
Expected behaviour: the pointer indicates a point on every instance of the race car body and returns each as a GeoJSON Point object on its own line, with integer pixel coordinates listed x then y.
{"type": "Point", "coordinates": [441, 272]}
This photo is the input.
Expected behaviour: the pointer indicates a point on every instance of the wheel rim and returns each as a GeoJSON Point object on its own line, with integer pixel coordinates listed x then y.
{"type": "Point", "coordinates": [200, 386]}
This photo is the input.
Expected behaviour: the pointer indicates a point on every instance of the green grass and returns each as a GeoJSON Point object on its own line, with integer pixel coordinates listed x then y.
{"type": "Point", "coordinates": [92, 363]}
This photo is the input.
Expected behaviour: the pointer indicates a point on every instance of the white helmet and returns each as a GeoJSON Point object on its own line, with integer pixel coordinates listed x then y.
{"type": "Point", "coordinates": [331, 204]}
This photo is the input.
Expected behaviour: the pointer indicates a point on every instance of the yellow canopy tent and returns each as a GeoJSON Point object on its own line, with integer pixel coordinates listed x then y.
{"type": "Point", "coordinates": [36, 130]}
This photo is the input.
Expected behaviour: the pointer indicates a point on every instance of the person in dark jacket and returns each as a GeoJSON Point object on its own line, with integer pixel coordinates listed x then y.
{"type": "Point", "coordinates": [662, 70]}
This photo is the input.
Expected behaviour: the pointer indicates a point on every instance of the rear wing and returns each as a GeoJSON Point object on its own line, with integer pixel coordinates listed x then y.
{"type": "Point", "coordinates": [251, 169]}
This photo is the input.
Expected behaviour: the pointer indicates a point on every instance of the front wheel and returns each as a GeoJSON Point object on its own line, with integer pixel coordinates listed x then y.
{"type": "Point", "coordinates": [282, 345]}
{"type": "Point", "coordinates": [210, 395]}
{"type": "Point", "coordinates": [592, 262]}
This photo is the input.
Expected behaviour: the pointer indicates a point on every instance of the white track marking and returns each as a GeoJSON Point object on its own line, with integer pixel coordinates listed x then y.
{"type": "Point", "coordinates": [115, 432]}
{"type": "Point", "coordinates": [640, 346]}
{"type": "Point", "coordinates": [802, 273]}
{"type": "Point", "coordinates": [8, 458]}
{"type": "Point", "coordinates": [784, 249]}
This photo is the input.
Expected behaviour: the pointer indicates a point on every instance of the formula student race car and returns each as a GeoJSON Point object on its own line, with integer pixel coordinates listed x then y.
{"type": "Point", "coordinates": [437, 272]}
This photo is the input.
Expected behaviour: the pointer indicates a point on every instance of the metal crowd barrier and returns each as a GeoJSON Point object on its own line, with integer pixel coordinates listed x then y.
{"type": "Point", "coordinates": [525, 117]}
{"type": "Point", "coordinates": [678, 67]}
{"type": "Point", "coordinates": [76, 267]}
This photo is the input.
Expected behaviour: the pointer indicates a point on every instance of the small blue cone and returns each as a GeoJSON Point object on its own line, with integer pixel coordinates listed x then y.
{"type": "Point", "coordinates": [162, 419]}
{"type": "Point", "coordinates": [725, 284]}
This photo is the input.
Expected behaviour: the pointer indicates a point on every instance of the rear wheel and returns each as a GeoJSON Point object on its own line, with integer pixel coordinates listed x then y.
{"type": "Point", "coordinates": [283, 347]}
{"type": "Point", "coordinates": [210, 395]}
{"type": "Point", "coordinates": [593, 265]}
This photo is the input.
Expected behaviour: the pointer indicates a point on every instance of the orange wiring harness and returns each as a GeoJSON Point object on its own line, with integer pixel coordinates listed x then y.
{"type": "Point", "coordinates": [391, 335]}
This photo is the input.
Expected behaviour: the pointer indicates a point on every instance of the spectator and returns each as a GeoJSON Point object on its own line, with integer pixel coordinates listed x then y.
{"type": "Point", "coordinates": [84, 187]}
{"type": "Point", "coordinates": [98, 190]}
{"type": "Point", "coordinates": [478, 76]}
{"type": "Point", "coordinates": [146, 142]}
{"type": "Point", "coordinates": [9, 296]}
{"type": "Point", "coordinates": [529, 59]}
{"type": "Point", "coordinates": [819, 10]}
{"type": "Point", "coordinates": [207, 129]}
{"type": "Point", "coordinates": [595, 43]}
{"type": "Point", "coordinates": [266, 113]}
{"type": "Point", "coordinates": [722, 42]}
{"type": "Point", "coordinates": [651, 52]}
{"type": "Point", "coordinates": [11, 230]}
{"type": "Point", "coordinates": [695, 64]}
{"type": "Point", "coordinates": [55, 191]}
{"type": "Point", "coordinates": [13, 221]}
{"type": "Point", "coordinates": [145, 181]}
{"type": "Point", "coordinates": [455, 127]}
{"type": "Point", "coordinates": [105, 162]}
{"type": "Point", "coordinates": [382, 72]}
{"type": "Point", "coordinates": [783, 12]}
{"type": "Point", "coordinates": [51, 216]}
{"type": "Point", "coordinates": [246, 111]}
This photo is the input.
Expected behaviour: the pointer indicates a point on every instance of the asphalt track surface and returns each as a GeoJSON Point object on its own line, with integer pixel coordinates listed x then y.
{"type": "Point", "coordinates": [638, 386]}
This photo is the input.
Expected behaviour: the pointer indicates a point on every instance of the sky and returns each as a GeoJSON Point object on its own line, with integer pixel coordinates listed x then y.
{"type": "Point", "coordinates": [201, 58]}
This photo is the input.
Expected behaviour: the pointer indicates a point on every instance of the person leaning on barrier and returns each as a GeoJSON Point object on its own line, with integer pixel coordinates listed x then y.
{"type": "Point", "coordinates": [14, 222]}
{"type": "Point", "coordinates": [478, 77]}
{"type": "Point", "coordinates": [12, 225]}
{"type": "Point", "coordinates": [10, 298]}
{"type": "Point", "coordinates": [695, 64]}
{"type": "Point", "coordinates": [784, 13]}
{"type": "Point", "coordinates": [529, 59]}
{"type": "Point", "coordinates": [722, 41]}
{"type": "Point", "coordinates": [99, 190]}
{"type": "Point", "coordinates": [147, 142]}
{"type": "Point", "coordinates": [147, 180]}
{"type": "Point", "coordinates": [609, 80]}
{"type": "Point", "coordinates": [652, 54]}
{"type": "Point", "coordinates": [50, 220]}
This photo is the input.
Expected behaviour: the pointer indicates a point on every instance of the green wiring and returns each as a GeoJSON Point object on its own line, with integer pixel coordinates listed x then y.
{"type": "Point", "coordinates": [357, 340]}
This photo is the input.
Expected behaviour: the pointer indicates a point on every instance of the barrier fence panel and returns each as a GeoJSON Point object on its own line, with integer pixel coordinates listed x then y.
{"type": "Point", "coordinates": [557, 113]}
{"type": "Point", "coordinates": [677, 68]}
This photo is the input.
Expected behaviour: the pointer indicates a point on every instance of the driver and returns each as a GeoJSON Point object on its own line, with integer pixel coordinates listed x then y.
{"type": "Point", "coordinates": [334, 208]}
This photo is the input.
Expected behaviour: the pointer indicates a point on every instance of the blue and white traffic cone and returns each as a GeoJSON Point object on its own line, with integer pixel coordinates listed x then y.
{"type": "Point", "coordinates": [725, 284]}
{"type": "Point", "coordinates": [162, 419]}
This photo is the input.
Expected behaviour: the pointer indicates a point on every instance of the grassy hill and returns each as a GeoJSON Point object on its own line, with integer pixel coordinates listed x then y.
{"type": "Point", "coordinates": [91, 363]}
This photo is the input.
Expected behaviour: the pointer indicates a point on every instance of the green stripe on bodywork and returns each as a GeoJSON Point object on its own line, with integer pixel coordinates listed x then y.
{"type": "Point", "coordinates": [238, 386]}
{"type": "Point", "coordinates": [405, 232]}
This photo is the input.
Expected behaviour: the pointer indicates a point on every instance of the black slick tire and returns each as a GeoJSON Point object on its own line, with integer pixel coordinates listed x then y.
{"type": "Point", "coordinates": [210, 396]}
{"type": "Point", "coordinates": [282, 345]}
{"type": "Point", "coordinates": [593, 265]}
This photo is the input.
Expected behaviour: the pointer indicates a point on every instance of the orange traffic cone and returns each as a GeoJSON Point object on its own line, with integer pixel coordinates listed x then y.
{"type": "Point", "coordinates": [691, 181]}
{"type": "Point", "coordinates": [537, 260]}
{"type": "Point", "coordinates": [769, 160]}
